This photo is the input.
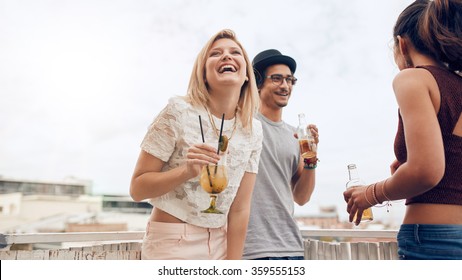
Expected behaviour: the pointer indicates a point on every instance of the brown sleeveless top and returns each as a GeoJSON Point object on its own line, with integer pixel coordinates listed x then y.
{"type": "Point", "coordinates": [449, 189]}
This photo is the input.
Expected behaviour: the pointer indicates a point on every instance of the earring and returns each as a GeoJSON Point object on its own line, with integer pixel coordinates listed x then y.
{"type": "Point", "coordinates": [246, 79]}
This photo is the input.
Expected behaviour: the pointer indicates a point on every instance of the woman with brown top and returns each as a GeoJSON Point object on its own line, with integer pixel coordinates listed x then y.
{"type": "Point", "coordinates": [427, 171]}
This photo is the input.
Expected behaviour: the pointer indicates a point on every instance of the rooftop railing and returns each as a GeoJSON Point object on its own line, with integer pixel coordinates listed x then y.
{"type": "Point", "coordinates": [323, 244]}
{"type": "Point", "coordinates": [344, 244]}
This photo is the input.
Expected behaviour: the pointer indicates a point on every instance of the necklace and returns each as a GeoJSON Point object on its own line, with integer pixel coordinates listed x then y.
{"type": "Point", "coordinates": [225, 139]}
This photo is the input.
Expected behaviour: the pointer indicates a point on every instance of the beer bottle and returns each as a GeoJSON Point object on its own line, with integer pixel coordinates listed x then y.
{"type": "Point", "coordinates": [354, 181]}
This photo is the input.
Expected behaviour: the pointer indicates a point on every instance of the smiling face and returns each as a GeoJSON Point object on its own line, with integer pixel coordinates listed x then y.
{"type": "Point", "coordinates": [273, 96]}
{"type": "Point", "coordinates": [225, 64]}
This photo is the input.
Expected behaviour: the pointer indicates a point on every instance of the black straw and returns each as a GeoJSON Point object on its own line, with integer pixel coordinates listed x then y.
{"type": "Point", "coordinates": [221, 131]}
{"type": "Point", "coordinates": [202, 131]}
{"type": "Point", "coordinates": [203, 141]}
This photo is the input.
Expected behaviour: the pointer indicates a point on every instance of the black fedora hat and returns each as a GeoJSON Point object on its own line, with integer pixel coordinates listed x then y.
{"type": "Point", "coordinates": [271, 57]}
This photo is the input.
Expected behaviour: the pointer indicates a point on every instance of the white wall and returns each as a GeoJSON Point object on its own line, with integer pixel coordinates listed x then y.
{"type": "Point", "coordinates": [36, 207]}
{"type": "Point", "coordinates": [10, 204]}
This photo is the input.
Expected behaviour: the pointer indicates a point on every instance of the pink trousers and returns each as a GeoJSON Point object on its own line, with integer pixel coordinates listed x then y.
{"type": "Point", "coordinates": [181, 241]}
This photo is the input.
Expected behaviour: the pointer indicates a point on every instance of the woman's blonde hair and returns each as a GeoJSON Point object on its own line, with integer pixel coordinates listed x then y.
{"type": "Point", "coordinates": [198, 94]}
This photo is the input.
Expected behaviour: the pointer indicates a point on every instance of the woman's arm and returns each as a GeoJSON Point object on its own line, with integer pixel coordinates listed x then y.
{"type": "Point", "coordinates": [149, 181]}
{"type": "Point", "coordinates": [418, 96]}
{"type": "Point", "coordinates": [238, 217]}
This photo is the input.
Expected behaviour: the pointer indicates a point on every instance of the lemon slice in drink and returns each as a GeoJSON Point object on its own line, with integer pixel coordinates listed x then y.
{"type": "Point", "coordinates": [223, 143]}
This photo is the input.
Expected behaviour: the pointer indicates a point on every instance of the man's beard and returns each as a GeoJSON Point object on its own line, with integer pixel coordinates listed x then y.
{"type": "Point", "coordinates": [282, 105]}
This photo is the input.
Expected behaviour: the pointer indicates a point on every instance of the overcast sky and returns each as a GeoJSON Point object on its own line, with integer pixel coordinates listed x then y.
{"type": "Point", "coordinates": [80, 81]}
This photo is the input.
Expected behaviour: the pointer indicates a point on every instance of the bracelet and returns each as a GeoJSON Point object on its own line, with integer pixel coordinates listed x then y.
{"type": "Point", "coordinates": [374, 196]}
{"type": "Point", "coordinates": [365, 196]}
{"type": "Point", "coordinates": [310, 166]}
{"type": "Point", "coordinates": [385, 195]}
{"type": "Point", "coordinates": [310, 163]}
{"type": "Point", "coordinates": [383, 190]}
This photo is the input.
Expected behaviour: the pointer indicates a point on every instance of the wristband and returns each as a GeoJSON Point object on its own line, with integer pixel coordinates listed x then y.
{"type": "Point", "coordinates": [310, 163]}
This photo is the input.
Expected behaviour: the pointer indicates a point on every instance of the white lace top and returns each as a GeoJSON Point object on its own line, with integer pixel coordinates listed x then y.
{"type": "Point", "coordinates": [172, 132]}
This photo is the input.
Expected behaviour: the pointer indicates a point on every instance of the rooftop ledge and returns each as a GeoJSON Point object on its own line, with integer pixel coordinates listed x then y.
{"type": "Point", "coordinates": [341, 244]}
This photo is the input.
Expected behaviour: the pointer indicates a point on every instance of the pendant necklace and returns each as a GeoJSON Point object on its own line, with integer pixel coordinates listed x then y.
{"type": "Point", "coordinates": [224, 139]}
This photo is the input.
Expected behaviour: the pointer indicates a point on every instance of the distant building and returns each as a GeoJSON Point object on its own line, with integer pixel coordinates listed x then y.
{"type": "Point", "coordinates": [10, 204]}
{"type": "Point", "coordinates": [57, 206]}
{"type": "Point", "coordinates": [125, 204]}
{"type": "Point", "coordinates": [326, 218]}
{"type": "Point", "coordinates": [69, 186]}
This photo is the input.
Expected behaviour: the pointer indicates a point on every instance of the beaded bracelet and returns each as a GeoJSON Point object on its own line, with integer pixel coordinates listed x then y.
{"type": "Point", "coordinates": [310, 163]}
{"type": "Point", "coordinates": [310, 166]}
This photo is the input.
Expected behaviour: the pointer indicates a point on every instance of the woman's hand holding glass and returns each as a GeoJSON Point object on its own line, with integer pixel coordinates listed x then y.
{"type": "Point", "coordinates": [214, 179]}
{"type": "Point", "coordinates": [199, 155]}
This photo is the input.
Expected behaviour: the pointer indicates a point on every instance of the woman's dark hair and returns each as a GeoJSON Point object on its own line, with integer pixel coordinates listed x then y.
{"type": "Point", "coordinates": [435, 29]}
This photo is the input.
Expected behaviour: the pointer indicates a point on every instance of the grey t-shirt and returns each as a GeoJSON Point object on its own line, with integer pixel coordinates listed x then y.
{"type": "Point", "coordinates": [272, 230]}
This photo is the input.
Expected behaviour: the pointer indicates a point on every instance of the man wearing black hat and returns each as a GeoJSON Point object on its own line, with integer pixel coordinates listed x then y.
{"type": "Point", "coordinates": [282, 178]}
